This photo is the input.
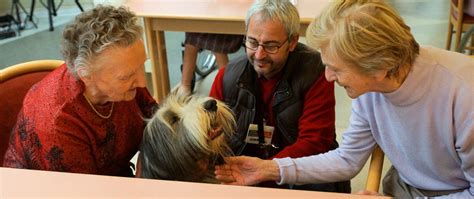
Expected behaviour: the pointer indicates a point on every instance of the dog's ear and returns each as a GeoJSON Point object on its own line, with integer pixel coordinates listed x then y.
{"type": "Point", "coordinates": [154, 148]}
{"type": "Point", "coordinates": [166, 154]}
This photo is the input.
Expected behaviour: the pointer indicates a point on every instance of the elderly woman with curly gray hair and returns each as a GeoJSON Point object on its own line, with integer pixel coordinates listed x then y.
{"type": "Point", "coordinates": [87, 115]}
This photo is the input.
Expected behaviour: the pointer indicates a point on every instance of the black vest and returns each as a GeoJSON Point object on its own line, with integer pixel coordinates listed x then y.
{"type": "Point", "coordinates": [302, 69]}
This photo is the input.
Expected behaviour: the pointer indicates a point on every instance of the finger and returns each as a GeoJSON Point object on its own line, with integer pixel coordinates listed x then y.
{"type": "Point", "coordinates": [225, 179]}
{"type": "Point", "coordinates": [230, 160]}
{"type": "Point", "coordinates": [222, 168]}
{"type": "Point", "coordinates": [224, 172]}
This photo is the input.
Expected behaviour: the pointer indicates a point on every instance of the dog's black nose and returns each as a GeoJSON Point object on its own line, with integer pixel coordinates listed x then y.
{"type": "Point", "coordinates": [210, 105]}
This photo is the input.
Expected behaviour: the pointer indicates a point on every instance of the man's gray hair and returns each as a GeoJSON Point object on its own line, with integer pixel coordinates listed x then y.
{"type": "Point", "coordinates": [282, 10]}
{"type": "Point", "coordinates": [94, 31]}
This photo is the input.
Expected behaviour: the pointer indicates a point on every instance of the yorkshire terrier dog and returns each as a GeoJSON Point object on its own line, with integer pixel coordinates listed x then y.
{"type": "Point", "coordinates": [185, 139]}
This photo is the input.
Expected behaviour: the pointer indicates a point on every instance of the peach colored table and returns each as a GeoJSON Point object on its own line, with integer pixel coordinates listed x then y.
{"type": "Point", "coordinates": [19, 183]}
{"type": "Point", "coordinates": [209, 16]}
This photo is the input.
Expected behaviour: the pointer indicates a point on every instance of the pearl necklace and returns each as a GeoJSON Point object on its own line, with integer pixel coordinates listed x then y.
{"type": "Point", "coordinates": [97, 112]}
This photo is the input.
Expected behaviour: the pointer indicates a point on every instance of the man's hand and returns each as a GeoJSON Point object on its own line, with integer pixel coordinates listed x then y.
{"type": "Point", "coordinates": [245, 170]}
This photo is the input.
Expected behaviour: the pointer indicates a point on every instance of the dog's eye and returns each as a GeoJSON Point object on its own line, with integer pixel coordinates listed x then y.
{"type": "Point", "coordinates": [174, 119]}
{"type": "Point", "coordinates": [170, 117]}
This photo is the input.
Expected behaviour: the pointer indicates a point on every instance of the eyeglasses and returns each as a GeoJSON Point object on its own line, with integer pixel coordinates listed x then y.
{"type": "Point", "coordinates": [271, 48]}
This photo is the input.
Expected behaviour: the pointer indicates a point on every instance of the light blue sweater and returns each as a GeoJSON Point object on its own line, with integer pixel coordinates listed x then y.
{"type": "Point", "coordinates": [425, 128]}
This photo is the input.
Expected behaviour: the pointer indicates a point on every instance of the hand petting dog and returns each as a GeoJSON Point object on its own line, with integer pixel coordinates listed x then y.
{"type": "Point", "coordinates": [244, 170]}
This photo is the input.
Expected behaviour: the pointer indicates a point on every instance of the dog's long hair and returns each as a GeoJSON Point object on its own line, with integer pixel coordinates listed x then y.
{"type": "Point", "coordinates": [185, 138]}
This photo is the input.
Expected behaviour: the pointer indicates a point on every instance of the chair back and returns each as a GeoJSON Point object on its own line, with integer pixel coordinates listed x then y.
{"type": "Point", "coordinates": [375, 170]}
{"type": "Point", "coordinates": [458, 22]}
{"type": "Point", "coordinates": [15, 81]}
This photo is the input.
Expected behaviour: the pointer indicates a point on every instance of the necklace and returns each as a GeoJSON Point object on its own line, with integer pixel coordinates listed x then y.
{"type": "Point", "coordinates": [97, 112]}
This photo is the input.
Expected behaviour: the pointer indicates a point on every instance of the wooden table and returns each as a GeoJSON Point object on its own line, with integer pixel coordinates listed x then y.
{"type": "Point", "coordinates": [21, 183]}
{"type": "Point", "coordinates": [208, 16]}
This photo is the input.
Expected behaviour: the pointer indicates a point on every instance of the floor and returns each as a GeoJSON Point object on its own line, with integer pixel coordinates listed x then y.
{"type": "Point", "coordinates": [65, 14]}
{"type": "Point", "coordinates": [427, 18]}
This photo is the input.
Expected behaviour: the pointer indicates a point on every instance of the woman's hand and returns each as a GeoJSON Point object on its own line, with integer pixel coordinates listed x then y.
{"type": "Point", "coordinates": [245, 170]}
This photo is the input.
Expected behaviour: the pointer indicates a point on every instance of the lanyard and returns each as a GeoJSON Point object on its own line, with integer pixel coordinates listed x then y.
{"type": "Point", "coordinates": [260, 119]}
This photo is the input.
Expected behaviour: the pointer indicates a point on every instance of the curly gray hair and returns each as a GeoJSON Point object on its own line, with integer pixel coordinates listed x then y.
{"type": "Point", "coordinates": [94, 31]}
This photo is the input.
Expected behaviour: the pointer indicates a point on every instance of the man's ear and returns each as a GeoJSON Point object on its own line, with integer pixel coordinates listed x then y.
{"type": "Point", "coordinates": [293, 42]}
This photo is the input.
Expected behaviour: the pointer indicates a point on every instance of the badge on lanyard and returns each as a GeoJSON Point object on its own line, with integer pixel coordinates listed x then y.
{"type": "Point", "coordinates": [252, 134]}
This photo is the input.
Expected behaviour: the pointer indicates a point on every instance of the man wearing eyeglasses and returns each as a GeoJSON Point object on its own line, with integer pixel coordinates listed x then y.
{"type": "Point", "coordinates": [283, 104]}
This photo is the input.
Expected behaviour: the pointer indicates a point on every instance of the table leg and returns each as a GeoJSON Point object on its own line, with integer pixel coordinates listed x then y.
{"type": "Point", "coordinates": [162, 65]}
{"type": "Point", "coordinates": [159, 63]}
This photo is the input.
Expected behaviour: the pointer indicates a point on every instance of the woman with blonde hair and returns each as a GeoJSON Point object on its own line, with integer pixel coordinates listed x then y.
{"type": "Point", "coordinates": [415, 102]}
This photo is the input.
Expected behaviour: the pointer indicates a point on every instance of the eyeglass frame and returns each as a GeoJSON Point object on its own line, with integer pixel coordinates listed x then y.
{"type": "Point", "coordinates": [264, 46]}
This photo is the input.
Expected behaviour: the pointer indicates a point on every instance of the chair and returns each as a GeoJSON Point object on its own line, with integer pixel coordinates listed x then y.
{"type": "Point", "coordinates": [15, 81]}
{"type": "Point", "coordinates": [458, 20]}
{"type": "Point", "coordinates": [463, 46]}
{"type": "Point", "coordinates": [375, 170]}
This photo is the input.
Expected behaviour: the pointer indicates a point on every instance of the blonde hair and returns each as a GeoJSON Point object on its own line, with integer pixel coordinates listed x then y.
{"type": "Point", "coordinates": [368, 34]}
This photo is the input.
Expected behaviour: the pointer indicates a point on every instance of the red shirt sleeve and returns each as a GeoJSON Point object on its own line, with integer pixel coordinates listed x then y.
{"type": "Point", "coordinates": [316, 124]}
{"type": "Point", "coordinates": [216, 88]}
